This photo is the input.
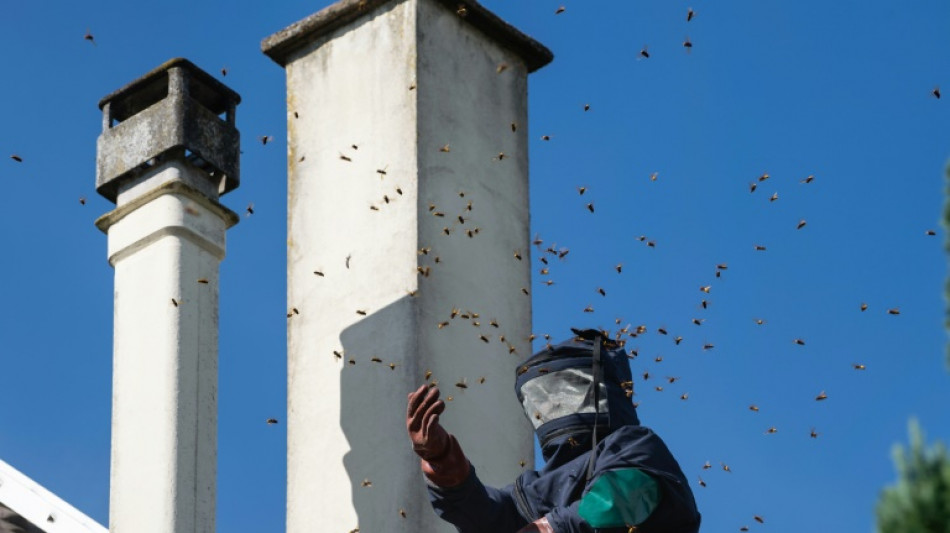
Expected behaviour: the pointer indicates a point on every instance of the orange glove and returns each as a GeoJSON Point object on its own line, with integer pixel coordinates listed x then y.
{"type": "Point", "coordinates": [538, 526]}
{"type": "Point", "coordinates": [443, 462]}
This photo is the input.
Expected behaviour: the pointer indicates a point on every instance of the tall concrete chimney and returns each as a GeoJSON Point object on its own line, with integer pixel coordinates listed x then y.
{"type": "Point", "coordinates": [408, 250]}
{"type": "Point", "coordinates": [168, 148]}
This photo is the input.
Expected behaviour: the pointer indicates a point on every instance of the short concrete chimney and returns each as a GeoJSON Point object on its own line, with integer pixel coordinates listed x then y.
{"type": "Point", "coordinates": [408, 251]}
{"type": "Point", "coordinates": [168, 148]}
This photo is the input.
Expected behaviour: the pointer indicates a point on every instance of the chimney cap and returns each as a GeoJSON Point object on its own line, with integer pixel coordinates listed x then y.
{"type": "Point", "coordinates": [281, 45]}
{"type": "Point", "coordinates": [223, 91]}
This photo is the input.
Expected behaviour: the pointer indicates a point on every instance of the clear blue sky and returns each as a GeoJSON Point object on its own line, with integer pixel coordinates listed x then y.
{"type": "Point", "coordinates": [839, 90]}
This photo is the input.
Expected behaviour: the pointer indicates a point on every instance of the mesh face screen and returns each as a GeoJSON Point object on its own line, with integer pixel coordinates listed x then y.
{"type": "Point", "coordinates": [557, 394]}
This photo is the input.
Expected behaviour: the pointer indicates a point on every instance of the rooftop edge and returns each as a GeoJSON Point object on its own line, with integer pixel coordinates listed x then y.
{"type": "Point", "coordinates": [206, 78]}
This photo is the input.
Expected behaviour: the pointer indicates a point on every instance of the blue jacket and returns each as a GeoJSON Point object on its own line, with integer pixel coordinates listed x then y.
{"type": "Point", "coordinates": [556, 490]}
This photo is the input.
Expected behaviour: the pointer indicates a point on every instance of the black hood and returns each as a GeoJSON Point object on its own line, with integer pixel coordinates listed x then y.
{"type": "Point", "coordinates": [556, 388]}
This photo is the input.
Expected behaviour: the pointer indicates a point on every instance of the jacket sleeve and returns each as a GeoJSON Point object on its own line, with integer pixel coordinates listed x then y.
{"type": "Point", "coordinates": [568, 520]}
{"type": "Point", "coordinates": [474, 508]}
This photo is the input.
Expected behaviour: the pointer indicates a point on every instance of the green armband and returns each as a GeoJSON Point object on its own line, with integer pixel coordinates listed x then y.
{"type": "Point", "coordinates": [618, 498]}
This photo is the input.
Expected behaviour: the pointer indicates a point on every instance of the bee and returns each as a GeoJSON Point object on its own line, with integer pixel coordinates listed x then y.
{"type": "Point", "coordinates": [864, 306]}
{"type": "Point", "coordinates": [930, 232]}
{"type": "Point", "coordinates": [518, 255]}
{"type": "Point", "coordinates": [672, 379]}
{"type": "Point", "coordinates": [573, 442]}
{"type": "Point", "coordinates": [89, 37]}
{"type": "Point", "coordinates": [501, 68]}
{"type": "Point", "coordinates": [437, 259]}
{"type": "Point", "coordinates": [654, 176]}
{"type": "Point", "coordinates": [701, 482]}
{"type": "Point", "coordinates": [439, 214]}
{"type": "Point", "coordinates": [586, 107]}
{"type": "Point", "coordinates": [808, 179]}
{"type": "Point", "coordinates": [352, 362]}
{"type": "Point", "coordinates": [367, 483]}
{"type": "Point", "coordinates": [318, 273]}
{"type": "Point", "coordinates": [522, 463]}
{"type": "Point", "coordinates": [501, 156]}
{"type": "Point", "coordinates": [764, 176]}
{"type": "Point", "coordinates": [512, 349]}
{"type": "Point", "coordinates": [386, 198]}
{"type": "Point", "coordinates": [424, 271]}
{"type": "Point", "coordinates": [894, 311]}
{"type": "Point", "coordinates": [744, 528]}
{"type": "Point", "coordinates": [814, 434]}
{"type": "Point", "coordinates": [704, 304]}
{"type": "Point", "coordinates": [427, 375]}
{"type": "Point", "coordinates": [494, 323]}
{"type": "Point", "coordinates": [707, 466]}
{"type": "Point", "coordinates": [373, 208]}
{"type": "Point", "coordinates": [601, 291]}
{"type": "Point", "coordinates": [684, 396]}
{"type": "Point", "coordinates": [771, 430]}
{"type": "Point", "coordinates": [699, 321]}
{"type": "Point", "coordinates": [402, 512]}
{"type": "Point", "coordinates": [759, 321]}
{"type": "Point", "coordinates": [481, 380]}
{"type": "Point", "coordinates": [560, 10]}
{"type": "Point", "coordinates": [361, 312]}
{"type": "Point", "coordinates": [563, 253]}
{"type": "Point", "coordinates": [412, 87]}
{"type": "Point", "coordinates": [82, 200]}
{"type": "Point", "coordinates": [203, 281]}
{"type": "Point", "coordinates": [801, 224]}
{"type": "Point", "coordinates": [646, 376]}
{"type": "Point", "coordinates": [545, 137]}
{"type": "Point", "coordinates": [936, 92]}
{"type": "Point", "coordinates": [470, 233]}
{"type": "Point", "coordinates": [725, 467]}
{"type": "Point", "coordinates": [296, 114]}
{"type": "Point", "coordinates": [754, 408]}
{"type": "Point", "coordinates": [525, 291]}
{"type": "Point", "coordinates": [619, 268]}
{"type": "Point", "coordinates": [708, 346]}
{"type": "Point", "coordinates": [759, 248]}
{"type": "Point", "coordinates": [651, 244]}
{"type": "Point", "coordinates": [858, 366]}
{"type": "Point", "coordinates": [800, 342]}
{"type": "Point", "coordinates": [445, 149]}
{"type": "Point", "coordinates": [392, 366]}
{"type": "Point", "coordinates": [590, 207]}
{"type": "Point", "coordinates": [442, 324]}
{"type": "Point", "coordinates": [461, 384]}
{"type": "Point", "coordinates": [265, 139]}
{"type": "Point", "coordinates": [589, 309]}
{"type": "Point", "coordinates": [690, 14]}
{"type": "Point", "coordinates": [644, 53]}
{"type": "Point", "coordinates": [759, 519]}
{"type": "Point", "coordinates": [706, 289]}
{"type": "Point", "coordinates": [642, 238]}
{"type": "Point", "coordinates": [722, 266]}
{"type": "Point", "coordinates": [537, 415]}
{"type": "Point", "coordinates": [821, 396]}
{"type": "Point", "coordinates": [271, 421]}
{"type": "Point", "coordinates": [659, 388]}
{"type": "Point", "coordinates": [688, 44]}
{"type": "Point", "coordinates": [773, 197]}
{"type": "Point", "coordinates": [250, 209]}
{"type": "Point", "coordinates": [544, 271]}
{"type": "Point", "coordinates": [338, 354]}
{"type": "Point", "coordinates": [532, 337]}
{"type": "Point", "coordinates": [413, 293]}
{"type": "Point", "coordinates": [175, 302]}
{"type": "Point", "coordinates": [677, 340]}
{"type": "Point", "coordinates": [376, 360]}
{"type": "Point", "coordinates": [447, 231]}
{"type": "Point", "coordinates": [449, 398]}
{"type": "Point", "coordinates": [661, 331]}
{"type": "Point", "coordinates": [484, 338]}
{"type": "Point", "coordinates": [16, 158]}
{"type": "Point", "coordinates": [514, 127]}
{"type": "Point", "coordinates": [752, 186]}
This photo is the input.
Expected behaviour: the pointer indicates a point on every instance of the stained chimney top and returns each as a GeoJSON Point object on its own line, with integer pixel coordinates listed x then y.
{"type": "Point", "coordinates": [282, 45]}
{"type": "Point", "coordinates": [175, 111]}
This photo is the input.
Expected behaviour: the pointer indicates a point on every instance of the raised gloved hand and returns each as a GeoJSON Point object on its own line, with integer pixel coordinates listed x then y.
{"type": "Point", "coordinates": [538, 526]}
{"type": "Point", "coordinates": [429, 438]}
{"type": "Point", "coordinates": [443, 462]}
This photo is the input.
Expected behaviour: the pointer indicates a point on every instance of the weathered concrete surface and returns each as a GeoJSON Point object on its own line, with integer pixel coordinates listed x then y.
{"type": "Point", "coordinates": [166, 238]}
{"type": "Point", "coordinates": [172, 109]}
{"type": "Point", "coordinates": [399, 121]}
